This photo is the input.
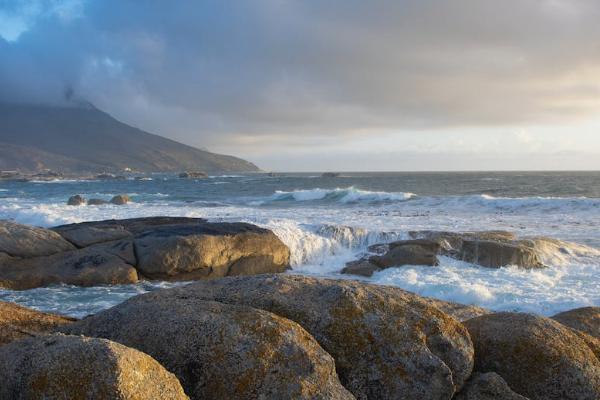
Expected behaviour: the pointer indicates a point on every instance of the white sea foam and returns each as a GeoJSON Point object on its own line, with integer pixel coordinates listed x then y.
{"type": "Point", "coordinates": [340, 195]}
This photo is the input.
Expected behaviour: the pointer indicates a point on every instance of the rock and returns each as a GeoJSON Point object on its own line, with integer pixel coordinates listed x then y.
{"type": "Point", "coordinates": [84, 267]}
{"type": "Point", "coordinates": [82, 235]}
{"type": "Point", "coordinates": [491, 249]}
{"type": "Point", "coordinates": [76, 200]}
{"type": "Point", "coordinates": [71, 367]}
{"type": "Point", "coordinates": [585, 319]}
{"type": "Point", "coordinates": [120, 199]}
{"type": "Point", "coordinates": [489, 386]}
{"type": "Point", "coordinates": [193, 175]}
{"type": "Point", "coordinates": [330, 174]}
{"type": "Point", "coordinates": [387, 343]}
{"type": "Point", "coordinates": [362, 267]}
{"type": "Point", "coordinates": [96, 202]}
{"type": "Point", "coordinates": [18, 240]}
{"type": "Point", "coordinates": [538, 357]}
{"type": "Point", "coordinates": [499, 254]}
{"type": "Point", "coordinates": [408, 252]}
{"type": "Point", "coordinates": [221, 351]}
{"type": "Point", "coordinates": [116, 251]}
{"type": "Point", "coordinates": [17, 322]}
{"type": "Point", "coordinates": [209, 251]}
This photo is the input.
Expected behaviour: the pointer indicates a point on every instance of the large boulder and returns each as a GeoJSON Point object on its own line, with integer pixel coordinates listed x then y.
{"type": "Point", "coordinates": [209, 250]}
{"type": "Point", "coordinates": [585, 319]}
{"type": "Point", "coordinates": [387, 343]}
{"type": "Point", "coordinates": [221, 351]}
{"type": "Point", "coordinates": [488, 386]}
{"type": "Point", "coordinates": [71, 367]}
{"type": "Point", "coordinates": [89, 266]}
{"type": "Point", "coordinates": [18, 240]}
{"type": "Point", "coordinates": [17, 322]}
{"type": "Point", "coordinates": [538, 357]}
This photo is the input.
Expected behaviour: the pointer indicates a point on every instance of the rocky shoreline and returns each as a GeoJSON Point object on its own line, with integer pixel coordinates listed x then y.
{"type": "Point", "coordinates": [243, 330]}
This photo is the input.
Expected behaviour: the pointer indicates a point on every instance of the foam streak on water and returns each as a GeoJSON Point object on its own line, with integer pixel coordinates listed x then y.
{"type": "Point", "coordinates": [327, 222]}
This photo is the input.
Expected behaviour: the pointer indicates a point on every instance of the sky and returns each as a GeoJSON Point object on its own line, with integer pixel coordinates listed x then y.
{"type": "Point", "coordinates": [313, 85]}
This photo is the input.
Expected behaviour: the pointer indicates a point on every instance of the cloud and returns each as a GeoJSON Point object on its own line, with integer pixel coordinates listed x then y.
{"type": "Point", "coordinates": [217, 72]}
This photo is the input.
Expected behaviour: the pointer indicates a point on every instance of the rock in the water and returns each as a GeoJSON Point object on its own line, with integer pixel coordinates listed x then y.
{"type": "Point", "coordinates": [408, 252]}
{"type": "Point", "coordinates": [96, 202]}
{"type": "Point", "coordinates": [488, 386]}
{"type": "Point", "coordinates": [538, 357]}
{"type": "Point", "coordinates": [24, 241]}
{"type": "Point", "coordinates": [387, 343]}
{"type": "Point", "coordinates": [89, 266]}
{"type": "Point", "coordinates": [499, 254]}
{"type": "Point", "coordinates": [193, 175]}
{"type": "Point", "coordinates": [585, 319]}
{"type": "Point", "coordinates": [362, 267]}
{"type": "Point", "coordinates": [120, 199]}
{"type": "Point", "coordinates": [82, 235]}
{"type": "Point", "coordinates": [17, 322]}
{"type": "Point", "coordinates": [73, 367]}
{"type": "Point", "coordinates": [493, 249]}
{"type": "Point", "coordinates": [76, 200]}
{"type": "Point", "coordinates": [209, 250]}
{"type": "Point", "coordinates": [221, 351]}
{"type": "Point", "coordinates": [330, 174]}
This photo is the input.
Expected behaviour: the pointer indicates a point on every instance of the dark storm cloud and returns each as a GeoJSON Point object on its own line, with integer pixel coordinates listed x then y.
{"type": "Point", "coordinates": [281, 68]}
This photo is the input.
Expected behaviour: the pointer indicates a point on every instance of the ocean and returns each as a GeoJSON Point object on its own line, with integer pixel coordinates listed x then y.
{"type": "Point", "coordinates": [327, 221]}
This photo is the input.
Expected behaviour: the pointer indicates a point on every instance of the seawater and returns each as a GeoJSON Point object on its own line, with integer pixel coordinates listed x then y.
{"type": "Point", "coordinates": [329, 221]}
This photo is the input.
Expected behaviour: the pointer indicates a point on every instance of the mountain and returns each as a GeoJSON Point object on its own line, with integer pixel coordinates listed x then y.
{"type": "Point", "coordinates": [83, 139]}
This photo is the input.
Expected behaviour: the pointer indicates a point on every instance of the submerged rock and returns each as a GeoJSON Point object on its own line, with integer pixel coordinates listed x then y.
{"type": "Point", "coordinates": [538, 357]}
{"type": "Point", "coordinates": [387, 343]}
{"type": "Point", "coordinates": [17, 322]}
{"type": "Point", "coordinates": [221, 351]}
{"type": "Point", "coordinates": [25, 241]}
{"type": "Point", "coordinates": [585, 319]}
{"type": "Point", "coordinates": [76, 200]}
{"type": "Point", "coordinates": [73, 367]}
{"type": "Point", "coordinates": [488, 386]}
{"type": "Point", "coordinates": [120, 199]}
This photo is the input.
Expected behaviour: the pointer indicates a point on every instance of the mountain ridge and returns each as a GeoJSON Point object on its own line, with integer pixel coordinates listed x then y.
{"type": "Point", "coordinates": [84, 139]}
